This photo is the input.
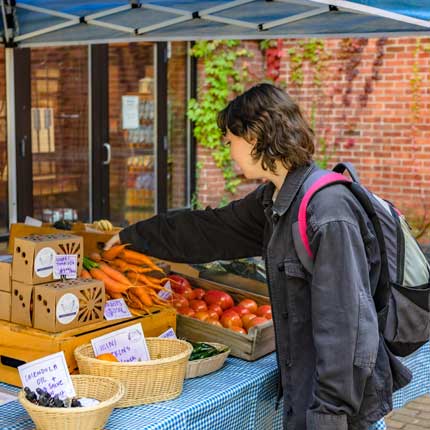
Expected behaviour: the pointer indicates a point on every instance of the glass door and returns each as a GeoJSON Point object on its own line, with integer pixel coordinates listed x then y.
{"type": "Point", "coordinates": [132, 132]}
{"type": "Point", "coordinates": [59, 134]}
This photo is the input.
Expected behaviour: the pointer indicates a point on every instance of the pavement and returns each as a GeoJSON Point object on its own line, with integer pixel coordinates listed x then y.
{"type": "Point", "coordinates": [413, 416]}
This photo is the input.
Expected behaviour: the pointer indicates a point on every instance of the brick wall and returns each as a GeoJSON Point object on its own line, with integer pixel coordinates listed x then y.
{"type": "Point", "coordinates": [367, 112]}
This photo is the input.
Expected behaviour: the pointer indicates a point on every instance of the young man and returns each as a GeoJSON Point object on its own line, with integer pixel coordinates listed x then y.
{"type": "Point", "coordinates": [335, 369]}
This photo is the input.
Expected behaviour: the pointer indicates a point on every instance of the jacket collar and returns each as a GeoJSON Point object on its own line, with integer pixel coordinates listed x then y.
{"type": "Point", "coordinates": [291, 186]}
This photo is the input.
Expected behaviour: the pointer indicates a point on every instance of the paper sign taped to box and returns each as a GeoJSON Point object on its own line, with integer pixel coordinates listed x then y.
{"type": "Point", "coordinates": [127, 344]}
{"type": "Point", "coordinates": [49, 373]}
{"type": "Point", "coordinates": [66, 266]}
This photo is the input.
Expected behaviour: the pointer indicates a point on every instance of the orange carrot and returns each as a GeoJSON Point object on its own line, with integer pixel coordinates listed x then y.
{"type": "Point", "coordinates": [112, 253]}
{"type": "Point", "coordinates": [85, 274]}
{"type": "Point", "coordinates": [111, 285]}
{"type": "Point", "coordinates": [142, 295]}
{"type": "Point", "coordinates": [114, 274]}
{"type": "Point", "coordinates": [138, 258]}
{"type": "Point", "coordinates": [123, 266]}
{"type": "Point", "coordinates": [115, 295]}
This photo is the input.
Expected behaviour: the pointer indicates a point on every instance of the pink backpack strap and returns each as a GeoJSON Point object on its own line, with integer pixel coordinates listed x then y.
{"type": "Point", "coordinates": [329, 179]}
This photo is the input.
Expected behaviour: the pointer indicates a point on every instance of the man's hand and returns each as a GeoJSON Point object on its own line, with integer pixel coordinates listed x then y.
{"type": "Point", "coordinates": [114, 240]}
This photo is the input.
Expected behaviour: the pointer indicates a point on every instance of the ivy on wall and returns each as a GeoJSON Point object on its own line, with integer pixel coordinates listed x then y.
{"type": "Point", "coordinates": [225, 76]}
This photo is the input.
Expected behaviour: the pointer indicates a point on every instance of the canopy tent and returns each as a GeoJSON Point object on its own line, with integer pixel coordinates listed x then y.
{"type": "Point", "coordinates": [63, 22]}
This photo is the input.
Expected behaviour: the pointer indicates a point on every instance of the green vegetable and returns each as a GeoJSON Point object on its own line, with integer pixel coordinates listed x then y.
{"type": "Point", "coordinates": [90, 264]}
{"type": "Point", "coordinates": [204, 350]}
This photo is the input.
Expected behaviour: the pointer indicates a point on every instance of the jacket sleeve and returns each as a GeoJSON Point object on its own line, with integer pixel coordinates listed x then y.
{"type": "Point", "coordinates": [344, 322]}
{"type": "Point", "coordinates": [234, 231]}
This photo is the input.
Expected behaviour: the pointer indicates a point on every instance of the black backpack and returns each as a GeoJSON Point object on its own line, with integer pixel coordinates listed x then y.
{"type": "Point", "coordinates": [402, 296]}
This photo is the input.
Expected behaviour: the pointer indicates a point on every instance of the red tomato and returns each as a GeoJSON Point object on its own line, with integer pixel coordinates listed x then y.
{"type": "Point", "coordinates": [178, 283]}
{"type": "Point", "coordinates": [249, 304]}
{"type": "Point", "coordinates": [186, 311]}
{"type": "Point", "coordinates": [255, 321]}
{"type": "Point", "coordinates": [214, 322]}
{"type": "Point", "coordinates": [180, 301]}
{"type": "Point", "coordinates": [230, 318]}
{"type": "Point", "coordinates": [199, 293]}
{"type": "Point", "coordinates": [188, 293]}
{"type": "Point", "coordinates": [240, 310]}
{"type": "Point", "coordinates": [202, 315]}
{"type": "Point", "coordinates": [216, 308]}
{"type": "Point", "coordinates": [220, 298]}
{"type": "Point", "coordinates": [198, 305]}
{"type": "Point", "coordinates": [213, 315]}
{"type": "Point", "coordinates": [265, 311]}
{"type": "Point", "coordinates": [246, 319]}
{"type": "Point", "coordinates": [238, 329]}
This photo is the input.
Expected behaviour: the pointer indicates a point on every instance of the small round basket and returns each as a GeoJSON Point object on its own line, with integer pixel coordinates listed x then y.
{"type": "Point", "coordinates": [107, 390]}
{"type": "Point", "coordinates": [156, 380]}
{"type": "Point", "coordinates": [204, 366]}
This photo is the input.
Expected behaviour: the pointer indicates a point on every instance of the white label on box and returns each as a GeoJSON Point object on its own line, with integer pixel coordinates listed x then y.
{"type": "Point", "coordinates": [127, 344]}
{"type": "Point", "coordinates": [49, 373]}
{"type": "Point", "coordinates": [116, 309]}
{"type": "Point", "coordinates": [66, 265]}
{"type": "Point", "coordinates": [67, 308]}
{"type": "Point", "coordinates": [44, 262]}
{"type": "Point", "coordinates": [130, 112]}
{"type": "Point", "coordinates": [32, 221]}
{"type": "Point", "coordinates": [168, 334]}
{"type": "Point", "coordinates": [165, 295]}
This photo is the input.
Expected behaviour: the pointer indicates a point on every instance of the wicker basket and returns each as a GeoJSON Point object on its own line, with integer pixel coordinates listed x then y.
{"type": "Point", "coordinates": [204, 366]}
{"type": "Point", "coordinates": [107, 390]}
{"type": "Point", "coordinates": [156, 380]}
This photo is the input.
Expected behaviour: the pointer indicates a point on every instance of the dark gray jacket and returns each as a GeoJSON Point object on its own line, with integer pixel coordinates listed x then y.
{"type": "Point", "coordinates": [336, 372]}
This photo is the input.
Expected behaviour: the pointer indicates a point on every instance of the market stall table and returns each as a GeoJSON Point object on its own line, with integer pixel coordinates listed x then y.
{"type": "Point", "coordinates": [241, 396]}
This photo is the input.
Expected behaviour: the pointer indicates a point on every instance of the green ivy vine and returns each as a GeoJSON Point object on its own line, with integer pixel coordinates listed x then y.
{"type": "Point", "coordinates": [224, 76]}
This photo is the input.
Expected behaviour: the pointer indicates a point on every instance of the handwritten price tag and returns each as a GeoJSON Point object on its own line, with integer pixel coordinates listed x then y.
{"type": "Point", "coordinates": [116, 309]}
{"type": "Point", "coordinates": [127, 344]}
{"type": "Point", "coordinates": [168, 334]}
{"type": "Point", "coordinates": [49, 373]}
{"type": "Point", "coordinates": [66, 265]}
{"type": "Point", "coordinates": [165, 295]}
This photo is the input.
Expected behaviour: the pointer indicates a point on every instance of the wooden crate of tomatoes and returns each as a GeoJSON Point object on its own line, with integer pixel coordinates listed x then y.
{"type": "Point", "coordinates": [212, 312]}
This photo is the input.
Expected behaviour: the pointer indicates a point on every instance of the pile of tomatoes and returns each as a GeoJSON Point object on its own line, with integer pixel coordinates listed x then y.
{"type": "Point", "coordinates": [217, 307]}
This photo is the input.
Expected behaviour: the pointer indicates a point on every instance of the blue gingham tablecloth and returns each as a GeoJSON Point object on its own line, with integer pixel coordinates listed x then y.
{"type": "Point", "coordinates": [241, 396]}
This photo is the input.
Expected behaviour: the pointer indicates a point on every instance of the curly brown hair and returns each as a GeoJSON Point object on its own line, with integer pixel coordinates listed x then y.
{"type": "Point", "coordinates": [268, 115]}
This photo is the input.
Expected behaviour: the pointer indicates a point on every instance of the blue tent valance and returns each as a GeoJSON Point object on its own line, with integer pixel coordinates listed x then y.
{"type": "Point", "coordinates": [62, 22]}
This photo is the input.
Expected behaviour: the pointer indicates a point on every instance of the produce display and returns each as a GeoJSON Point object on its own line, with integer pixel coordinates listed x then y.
{"type": "Point", "coordinates": [217, 307]}
{"type": "Point", "coordinates": [130, 275]}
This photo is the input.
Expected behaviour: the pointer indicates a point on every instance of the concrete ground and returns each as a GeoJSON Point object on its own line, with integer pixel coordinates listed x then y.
{"type": "Point", "coordinates": [414, 416]}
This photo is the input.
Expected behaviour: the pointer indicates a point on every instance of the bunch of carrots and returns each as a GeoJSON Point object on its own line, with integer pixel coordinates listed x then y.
{"type": "Point", "coordinates": [128, 274]}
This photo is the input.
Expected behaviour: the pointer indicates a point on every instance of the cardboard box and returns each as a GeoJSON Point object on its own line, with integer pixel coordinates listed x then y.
{"type": "Point", "coordinates": [63, 305]}
{"type": "Point", "coordinates": [19, 344]}
{"type": "Point", "coordinates": [58, 306]}
{"type": "Point", "coordinates": [21, 303]}
{"type": "Point", "coordinates": [5, 273]}
{"type": "Point", "coordinates": [33, 256]}
{"type": "Point", "coordinates": [5, 304]}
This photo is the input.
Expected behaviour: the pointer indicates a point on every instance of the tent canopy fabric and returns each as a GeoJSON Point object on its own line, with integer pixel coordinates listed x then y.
{"type": "Point", "coordinates": [62, 22]}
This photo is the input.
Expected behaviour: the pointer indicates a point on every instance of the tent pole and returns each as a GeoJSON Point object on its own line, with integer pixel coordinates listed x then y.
{"type": "Point", "coordinates": [11, 134]}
